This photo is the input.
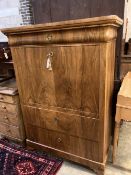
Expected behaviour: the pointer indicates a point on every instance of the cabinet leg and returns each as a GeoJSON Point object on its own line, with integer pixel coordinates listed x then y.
{"type": "Point", "coordinates": [23, 144]}
{"type": "Point", "coordinates": [116, 136]}
{"type": "Point", "coordinates": [100, 171]}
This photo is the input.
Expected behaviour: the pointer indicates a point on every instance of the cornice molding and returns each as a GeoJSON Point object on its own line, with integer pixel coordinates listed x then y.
{"type": "Point", "coordinates": [98, 29]}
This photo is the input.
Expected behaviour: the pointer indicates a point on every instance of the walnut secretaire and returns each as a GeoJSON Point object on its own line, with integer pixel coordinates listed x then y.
{"type": "Point", "coordinates": [65, 74]}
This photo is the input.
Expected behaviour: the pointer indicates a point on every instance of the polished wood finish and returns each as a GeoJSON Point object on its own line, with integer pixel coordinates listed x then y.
{"type": "Point", "coordinates": [70, 124]}
{"type": "Point", "coordinates": [10, 119]}
{"type": "Point", "coordinates": [97, 166]}
{"type": "Point", "coordinates": [64, 142]}
{"type": "Point", "coordinates": [123, 108]}
{"type": "Point", "coordinates": [11, 122]}
{"type": "Point", "coordinates": [65, 77]}
{"type": "Point", "coordinates": [9, 108]}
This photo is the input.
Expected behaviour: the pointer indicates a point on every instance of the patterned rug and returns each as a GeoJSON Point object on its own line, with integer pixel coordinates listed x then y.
{"type": "Point", "coordinates": [15, 160]}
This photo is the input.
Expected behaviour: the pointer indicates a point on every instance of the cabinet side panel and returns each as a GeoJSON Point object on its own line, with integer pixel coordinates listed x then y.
{"type": "Point", "coordinates": [109, 94]}
{"type": "Point", "coordinates": [15, 60]}
{"type": "Point", "coordinates": [107, 55]}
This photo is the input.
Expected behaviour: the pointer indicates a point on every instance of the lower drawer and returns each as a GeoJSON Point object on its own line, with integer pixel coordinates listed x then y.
{"type": "Point", "coordinates": [11, 119]}
{"type": "Point", "coordinates": [74, 145]}
{"type": "Point", "coordinates": [63, 122]}
{"type": "Point", "coordinates": [9, 130]}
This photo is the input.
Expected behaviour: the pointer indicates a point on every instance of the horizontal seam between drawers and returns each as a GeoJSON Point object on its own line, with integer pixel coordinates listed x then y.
{"type": "Point", "coordinates": [67, 112]}
{"type": "Point", "coordinates": [64, 133]}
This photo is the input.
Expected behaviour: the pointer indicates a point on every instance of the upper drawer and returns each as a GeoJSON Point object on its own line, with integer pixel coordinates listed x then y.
{"type": "Point", "coordinates": [70, 124]}
{"type": "Point", "coordinates": [81, 34]}
{"type": "Point", "coordinates": [52, 37]}
{"type": "Point", "coordinates": [8, 108]}
{"type": "Point", "coordinates": [9, 99]}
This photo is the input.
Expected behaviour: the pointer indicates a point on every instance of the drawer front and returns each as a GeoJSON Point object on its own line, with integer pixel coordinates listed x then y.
{"type": "Point", "coordinates": [8, 108]}
{"type": "Point", "coordinates": [63, 142]}
{"type": "Point", "coordinates": [75, 90]}
{"type": "Point", "coordinates": [9, 130]}
{"type": "Point", "coordinates": [70, 124]}
{"type": "Point", "coordinates": [53, 37]}
{"type": "Point", "coordinates": [9, 118]}
{"type": "Point", "coordinates": [9, 99]}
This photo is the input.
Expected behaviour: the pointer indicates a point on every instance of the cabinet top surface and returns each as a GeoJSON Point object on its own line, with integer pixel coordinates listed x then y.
{"type": "Point", "coordinates": [79, 23]}
{"type": "Point", "coordinates": [9, 87]}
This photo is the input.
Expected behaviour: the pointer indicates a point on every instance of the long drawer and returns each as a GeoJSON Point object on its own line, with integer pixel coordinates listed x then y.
{"type": "Point", "coordinates": [66, 36]}
{"type": "Point", "coordinates": [11, 119]}
{"type": "Point", "coordinates": [74, 145]}
{"type": "Point", "coordinates": [9, 108]}
{"type": "Point", "coordinates": [70, 124]}
{"type": "Point", "coordinates": [9, 130]}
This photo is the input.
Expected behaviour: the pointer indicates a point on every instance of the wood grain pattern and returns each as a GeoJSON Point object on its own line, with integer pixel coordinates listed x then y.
{"type": "Point", "coordinates": [10, 108]}
{"type": "Point", "coordinates": [106, 86]}
{"type": "Point", "coordinates": [70, 124]}
{"type": "Point", "coordinates": [11, 120]}
{"type": "Point", "coordinates": [67, 109]}
{"type": "Point", "coordinates": [7, 118]}
{"type": "Point", "coordinates": [65, 36]}
{"type": "Point", "coordinates": [72, 89]}
{"type": "Point", "coordinates": [111, 20]}
{"type": "Point", "coordinates": [98, 167]}
{"type": "Point", "coordinates": [12, 131]}
{"type": "Point", "coordinates": [83, 148]}
{"type": "Point", "coordinates": [9, 99]}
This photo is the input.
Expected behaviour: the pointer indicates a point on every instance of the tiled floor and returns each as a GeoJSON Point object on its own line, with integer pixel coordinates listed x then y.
{"type": "Point", "coordinates": [122, 165]}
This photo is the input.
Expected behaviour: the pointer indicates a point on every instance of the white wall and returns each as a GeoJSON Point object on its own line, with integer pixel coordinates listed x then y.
{"type": "Point", "coordinates": [9, 15]}
{"type": "Point", "coordinates": [127, 15]}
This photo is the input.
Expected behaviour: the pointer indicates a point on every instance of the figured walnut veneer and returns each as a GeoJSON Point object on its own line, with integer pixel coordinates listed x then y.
{"type": "Point", "coordinates": [67, 109]}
